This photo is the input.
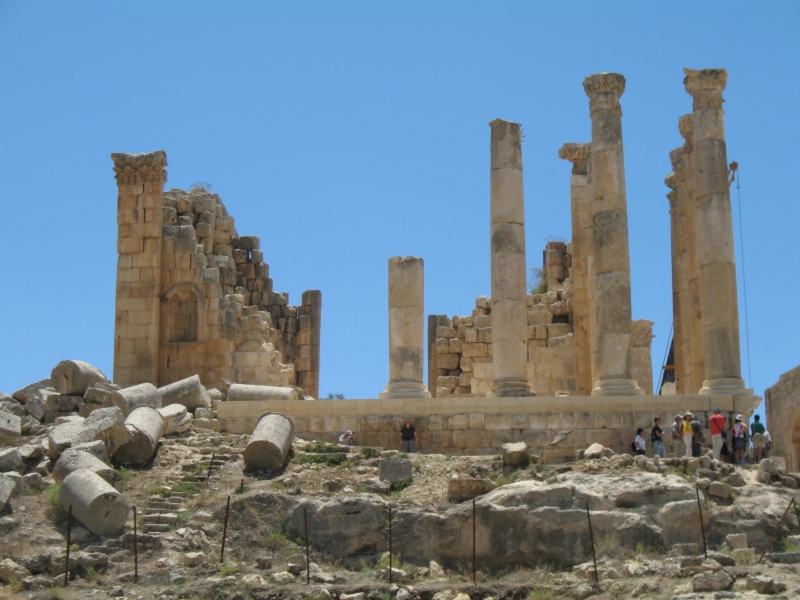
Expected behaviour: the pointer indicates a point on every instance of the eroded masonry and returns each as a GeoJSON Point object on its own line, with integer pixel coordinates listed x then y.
{"type": "Point", "coordinates": [559, 369]}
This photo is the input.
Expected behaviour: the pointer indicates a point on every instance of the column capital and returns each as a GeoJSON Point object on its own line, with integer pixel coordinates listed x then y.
{"type": "Point", "coordinates": [705, 87]}
{"type": "Point", "coordinates": [678, 166]}
{"type": "Point", "coordinates": [577, 154]}
{"type": "Point", "coordinates": [671, 181]}
{"type": "Point", "coordinates": [604, 91]}
{"type": "Point", "coordinates": [140, 168]}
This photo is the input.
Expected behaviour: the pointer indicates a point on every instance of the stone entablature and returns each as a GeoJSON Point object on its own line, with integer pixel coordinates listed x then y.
{"type": "Point", "coordinates": [482, 425]}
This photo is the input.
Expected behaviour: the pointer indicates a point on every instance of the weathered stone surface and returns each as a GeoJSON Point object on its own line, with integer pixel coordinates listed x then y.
{"type": "Point", "coordinates": [188, 392]}
{"type": "Point", "coordinates": [711, 581]}
{"type": "Point", "coordinates": [516, 454]}
{"type": "Point", "coordinates": [760, 584]}
{"type": "Point", "coordinates": [23, 394]}
{"type": "Point", "coordinates": [173, 415]}
{"type": "Point", "coordinates": [376, 486]}
{"type": "Point", "coordinates": [73, 460]}
{"type": "Point", "coordinates": [10, 428]}
{"type": "Point", "coordinates": [30, 452]}
{"type": "Point", "coordinates": [138, 395]}
{"type": "Point", "coordinates": [74, 377]}
{"type": "Point", "coordinates": [96, 448]}
{"type": "Point", "coordinates": [395, 469]}
{"type": "Point", "coordinates": [147, 428]}
{"type": "Point", "coordinates": [720, 490]}
{"type": "Point", "coordinates": [240, 392]}
{"type": "Point", "coordinates": [736, 540]}
{"type": "Point", "coordinates": [11, 406]}
{"type": "Point", "coordinates": [269, 445]}
{"type": "Point", "coordinates": [7, 489]}
{"type": "Point", "coordinates": [103, 424]}
{"type": "Point", "coordinates": [11, 571]}
{"type": "Point", "coordinates": [736, 480]}
{"type": "Point", "coordinates": [36, 406]}
{"type": "Point", "coordinates": [101, 508]}
{"type": "Point", "coordinates": [10, 460]}
{"type": "Point", "coordinates": [98, 392]}
{"type": "Point", "coordinates": [466, 488]}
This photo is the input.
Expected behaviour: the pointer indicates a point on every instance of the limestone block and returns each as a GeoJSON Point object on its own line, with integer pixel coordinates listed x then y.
{"type": "Point", "coordinates": [137, 395]}
{"type": "Point", "coordinates": [72, 460]}
{"type": "Point", "coordinates": [187, 392]}
{"type": "Point", "coordinates": [448, 361]}
{"type": "Point", "coordinates": [98, 392]}
{"type": "Point", "coordinates": [11, 406]}
{"type": "Point", "coordinates": [497, 421]}
{"type": "Point", "coordinates": [269, 445]}
{"type": "Point", "coordinates": [239, 392]}
{"type": "Point", "coordinates": [147, 427]}
{"type": "Point", "coordinates": [23, 394]}
{"type": "Point", "coordinates": [95, 503]}
{"type": "Point", "coordinates": [249, 242]}
{"type": "Point", "coordinates": [458, 422]}
{"type": "Point", "coordinates": [10, 460]}
{"type": "Point", "coordinates": [174, 416]}
{"type": "Point", "coordinates": [540, 318]}
{"type": "Point", "coordinates": [443, 392]}
{"type": "Point", "coordinates": [473, 350]}
{"type": "Point", "coordinates": [498, 437]}
{"type": "Point", "coordinates": [481, 321]}
{"type": "Point", "coordinates": [466, 488]}
{"type": "Point", "coordinates": [8, 487]}
{"type": "Point", "coordinates": [560, 341]}
{"type": "Point", "coordinates": [446, 332]}
{"type": "Point", "coordinates": [516, 455]}
{"type": "Point", "coordinates": [10, 428]}
{"type": "Point", "coordinates": [395, 469]}
{"type": "Point", "coordinates": [437, 423]}
{"type": "Point", "coordinates": [455, 345]}
{"type": "Point", "coordinates": [470, 439]}
{"type": "Point", "coordinates": [518, 421]}
{"type": "Point", "coordinates": [96, 448]}
{"type": "Point", "coordinates": [75, 377]}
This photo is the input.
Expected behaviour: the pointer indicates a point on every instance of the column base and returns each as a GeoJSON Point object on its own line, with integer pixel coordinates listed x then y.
{"type": "Point", "coordinates": [725, 386]}
{"type": "Point", "coordinates": [405, 389]}
{"type": "Point", "coordinates": [512, 389]}
{"type": "Point", "coordinates": [617, 387]}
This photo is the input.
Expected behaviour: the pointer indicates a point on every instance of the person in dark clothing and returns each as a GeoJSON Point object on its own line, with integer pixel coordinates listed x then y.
{"type": "Point", "coordinates": [408, 437]}
{"type": "Point", "coordinates": [656, 438]}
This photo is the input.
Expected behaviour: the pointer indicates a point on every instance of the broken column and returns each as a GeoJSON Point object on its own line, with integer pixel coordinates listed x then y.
{"type": "Point", "coordinates": [74, 460]}
{"type": "Point", "coordinates": [242, 392]}
{"type": "Point", "coordinates": [308, 338]}
{"type": "Point", "coordinates": [140, 183]}
{"type": "Point", "coordinates": [406, 332]}
{"type": "Point", "coordinates": [95, 503]}
{"type": "Point", "coordinates": [74, 377]}
{"type": "Point", "coordinates": [581, 204]}
{"type": "Point", "coordinates": [147, 426]}
{"type": "Point", "coordinates": [509, 274]}
{"type": "Point", "coordinates": [270, 443]}
{"type": "Point", "coordinates": [718, 294]}
{"type": "Point", "coordinates": [189, 392]}
{"type": "Point", "coordinates": [136, 395]}
{"type": "Point", "coordinates": [612, 278]}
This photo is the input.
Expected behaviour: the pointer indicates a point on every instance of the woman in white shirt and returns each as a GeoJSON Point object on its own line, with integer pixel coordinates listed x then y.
{"type": "Point", "coordinates": [638, 441]}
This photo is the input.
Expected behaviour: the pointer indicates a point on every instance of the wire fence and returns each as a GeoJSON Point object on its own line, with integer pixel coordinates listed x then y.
{"type": "Point", "coordinates": [288, 539]}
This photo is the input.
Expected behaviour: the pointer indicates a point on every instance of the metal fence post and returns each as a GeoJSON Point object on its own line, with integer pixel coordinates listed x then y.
{"type": "Point", "coordinates": [390, 544]}
{"type": "Point", "coordinates": [308, 560]}
{"type": "Point", "coordinates": [135, 549]}
{"type": "Point", "coordinates": [474, 579]}
{"type": "Point", "coordinates": [69, 534]}
{"type": "Point", "coordinates": [702, 525]}
{"type": "Point", "coordinates": [210, 466]}
{"type": "Point", "coordinates": [591, 541]}
{"type": "Point", "coordinates": [774, 533]}
{"type": "Point", "coordinates": [225, 530]}
{"type": "Point", "coordinates": [241, 489]}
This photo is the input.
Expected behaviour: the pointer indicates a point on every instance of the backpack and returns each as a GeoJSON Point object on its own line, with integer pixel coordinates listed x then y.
{"type": "Point", "coordinates": [697, 432]}
{"type": "Point", "coordinates": [633, 447]}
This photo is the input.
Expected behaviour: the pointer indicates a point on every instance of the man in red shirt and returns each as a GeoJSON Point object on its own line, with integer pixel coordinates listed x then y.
{"type": "Point", "coordinates": [717, 425]}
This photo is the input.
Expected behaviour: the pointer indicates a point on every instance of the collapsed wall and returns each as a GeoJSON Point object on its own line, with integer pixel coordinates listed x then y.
{"type": "Point", "coordinates": [195, 297]}
{"type": "Point", "coordinates": [460, 360]}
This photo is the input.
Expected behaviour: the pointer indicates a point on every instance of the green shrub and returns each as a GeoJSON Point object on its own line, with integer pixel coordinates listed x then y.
{"type": "Point", "coordinates": [401, 485]}
{"type": "Point", "coordinates": [186, 487]}
{"type": "Point", "coordinates": [538, 281]}
{"type": "Point", "coordinates": [125, 473]}
{"type": "Point", "coordinates": [320, 447]}
{"type": "Point", "coordinates": [228, 569]}
{"type": "Point", "coordinates": [276, 541]}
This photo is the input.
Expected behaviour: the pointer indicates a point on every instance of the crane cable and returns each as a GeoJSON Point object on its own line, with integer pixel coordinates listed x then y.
{"type": "Point", "coordinates": [734, 171]}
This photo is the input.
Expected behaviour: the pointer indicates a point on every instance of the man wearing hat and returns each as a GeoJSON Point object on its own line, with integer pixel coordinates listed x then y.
{"type": "Point", "coordinates": [718, 433]}
{"type": "Point", "coordinates": [688, 435]}
{"type": "Point", "coordinates": [346, 439]}
{"type": "Point", "coordinates": [677, 435]}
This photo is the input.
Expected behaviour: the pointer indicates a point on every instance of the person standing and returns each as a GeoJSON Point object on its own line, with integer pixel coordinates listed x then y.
{"type": "Point", "coordinates": [656, 435]}
{"type": "Point", "coordinates": [739, 439]}
{"type": "Point", "coordinates": [757, 431]}
{"type": "Point", "coordinates": [687, 433]}
{"type": "Point", "coordinates": [677, 435]}
{"type": "Point", "coordinates": [408, 437]}
{"type": "Point", "coordinates": [697, 437]}
{"type": "Point", "coordinates": [718, 432]}
{"type": "Point", "coordinates": [639, 443]}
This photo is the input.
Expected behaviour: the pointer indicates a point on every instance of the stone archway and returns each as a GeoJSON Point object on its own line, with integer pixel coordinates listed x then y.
{"type": "Point", "coordinates": [182, 316]}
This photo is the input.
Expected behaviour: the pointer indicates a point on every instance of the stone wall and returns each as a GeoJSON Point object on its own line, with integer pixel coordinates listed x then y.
{"type": "Point", "coordinates": [198, 299]}
{"type": "Point", "coordinates": [783, 417]}
{"type": "Point", "coordinates": [482, 425]}
{"type": "Point", "coordinates": [461, 359]}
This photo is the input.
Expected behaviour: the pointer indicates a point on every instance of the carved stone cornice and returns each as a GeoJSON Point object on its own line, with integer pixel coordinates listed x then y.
{"type": "Point", "coordinates": [678, 166]}
{"type": "Point", "coordinates": [672, 196]}
{"type": "Point", "coordinates": [577, 154]}
{"type": "Point", "coordinates": [671, 181]}
{"type": "Point", "coordinates": [686, 127]}
{"type": "Point", "coordinates": [604, 91]}
{"type": "Point", "coordinates": [705, 87]}
{"type": "Point", "coordinates": [140, 168]}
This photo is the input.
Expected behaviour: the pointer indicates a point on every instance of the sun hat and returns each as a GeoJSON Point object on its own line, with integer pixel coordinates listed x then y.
{"type": "Point", "coordinates": [349, 432]}
{"type": "Point", "coordinates": [688, 414]}
{"type": "Point", "coordinates": [739, 418]}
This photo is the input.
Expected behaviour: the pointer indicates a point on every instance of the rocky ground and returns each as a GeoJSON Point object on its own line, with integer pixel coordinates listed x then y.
{"type": "Point", "coordinates": [531, 531]}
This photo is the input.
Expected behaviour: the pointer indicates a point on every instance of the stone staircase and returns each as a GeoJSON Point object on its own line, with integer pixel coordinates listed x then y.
{"type": "Point", "coordinates": [161, 512]}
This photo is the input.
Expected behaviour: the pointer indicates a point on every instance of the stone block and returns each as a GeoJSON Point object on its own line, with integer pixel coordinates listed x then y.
{"type": "Point", "coordinates": [516, 454]}
{"type": "Point", "coordinates": [458, 422]}
{"type": "Point", "coordinates": [540, 318]}
{"type": "Point", "coordinates": [558, 329]}
{"type": "Point", "coordinates": [470, 438]}
{"type": "Point", "coordinates": [10, 428]}
{"type": "Point", "coordinates": [446, 332]}
{"type": "Point", "coordinates": [10, 460]}
{"type": "Point", "coordinates": [395, 469]}
{"type": "Point", "coordinates": [437, 423]}
{"type": "Point", "coordinates": [466, 488]}
{"type": "Point", "coordinates": [497, 421]}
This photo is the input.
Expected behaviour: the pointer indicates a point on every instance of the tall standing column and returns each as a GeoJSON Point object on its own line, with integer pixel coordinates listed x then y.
{"type": "Point", "coordinates": [140, 181]}
{"type": "Point", "coordinates": [681, 359]}
{"type": "Point", "coordinates": [509, 274]}
{"type": "Point", "coordinates": [581, 205]}
{"type": "Point", "coordinates": [406, 329]}
{"type": "Point", "coordinates": [718, 294]}
{"type": "Point", "coordinates": [612, 270]}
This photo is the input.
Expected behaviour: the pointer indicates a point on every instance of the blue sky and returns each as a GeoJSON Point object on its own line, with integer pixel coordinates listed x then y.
{"type": "Point", "coordinates": [347, 133]}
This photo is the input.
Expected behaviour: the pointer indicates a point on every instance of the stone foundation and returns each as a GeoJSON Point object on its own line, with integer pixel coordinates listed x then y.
{"type": "Point", "coordinates": [479, 426]}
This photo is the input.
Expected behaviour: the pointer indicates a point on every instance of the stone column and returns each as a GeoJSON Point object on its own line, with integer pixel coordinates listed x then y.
{"type": "Point", "coordinates": [611, 254]}
{"type": "Point", "coordinates": [140, 181]}
{"type": "Point", "coordinates": [578, 155]}
{"type": "Point", "coordinates": [311, 322]}
{"type": "Point", "coordinates": [509, 275]}
{"type": "Point", "coordinates": [681, 362]}
{"type": "Point", "coordinates": [406, 330]}
{"type": "Point", "coordinates": [718, 294]}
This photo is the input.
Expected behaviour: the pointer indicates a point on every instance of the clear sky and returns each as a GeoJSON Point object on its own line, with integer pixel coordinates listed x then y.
{"type": "Point", "coordinates": [344, 133]}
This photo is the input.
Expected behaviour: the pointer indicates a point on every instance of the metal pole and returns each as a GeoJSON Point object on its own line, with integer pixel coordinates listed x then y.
{"type": "Point", "coordinates": [591, 541]}
{"type": "Point", "coordinates": [796, 512]}
{"type": "Point", "coordinates": [390, 544]}
{"type": "Point", "coordinates": [210, 466]}
{"type": "Point", "coordinates": [308, 560]}
{"type": "Point", "coordinates": [69, 534]}
{"type": "Point", "coordinates": [241, 490]}
{"type": "Point", "coordinates": [135, 549]}
{"type": "Point", "coordinates": [774, 533]}
{"type": "Point", "coordinates": [702, 526]}
{"type": "Point", "coordinates": [225, 530]}
{"type": "Point", "coordinates": [474, 582]}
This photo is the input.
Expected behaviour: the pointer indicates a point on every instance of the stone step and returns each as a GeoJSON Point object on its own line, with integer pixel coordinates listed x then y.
{"type": "Point", "coordinates": [165, 504]}
{"type": "Point", "coordinates": [179, 494]}
{"type": "Point", "coordinates": [155, 528]}
{"type": "Point", "coordinates": [167, 518]}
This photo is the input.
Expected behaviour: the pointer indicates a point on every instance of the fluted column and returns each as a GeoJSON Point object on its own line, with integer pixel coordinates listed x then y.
{"type": "Point", "coordinates": [718, 293]}
{"type": "Point", "coordinates": [611, 252]}
{"type": "Point", "coordinates": [509, 276]}
{"type": "Point", "coordinates": [680, 340]}
{"type": "Point", "coordinates": [581, 205]}
{"type": "Point", "coordinates": [140, 183]}
{"type": "Point", "coordinates": [406, 329]}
